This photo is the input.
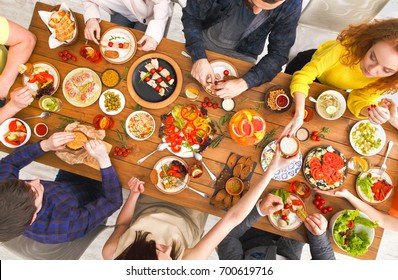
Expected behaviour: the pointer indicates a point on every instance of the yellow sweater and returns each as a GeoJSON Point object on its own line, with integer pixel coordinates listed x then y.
{"type": "Point", "coordinates": [326, 67]}
{"type": "Point", "coordinates": [4, 33]}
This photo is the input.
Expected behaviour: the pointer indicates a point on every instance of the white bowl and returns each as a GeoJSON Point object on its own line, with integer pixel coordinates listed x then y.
{"type": "Point", "coordinates": [340, 99]}
{"type": "Point", "coordinates": [140, 118]}
{"type": "Point", "coordinates": [4, 129]}
{"type": "Point", "coordinates": [102, 102]}
{"type": "Point", "coordinates": [357, 228]}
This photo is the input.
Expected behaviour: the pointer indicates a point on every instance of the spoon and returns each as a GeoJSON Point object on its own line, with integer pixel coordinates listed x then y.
{"type": "Point", "coordinates": [312, 99]}
{"type": "Point", "coordinates": [43, 115]}
{"type": "Point", "coordinates": [199, 157]}
{"type": "Point", "coordinates": [159, 148]}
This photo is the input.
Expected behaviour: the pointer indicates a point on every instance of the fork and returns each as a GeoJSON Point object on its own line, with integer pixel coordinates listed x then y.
{"type": "Point", "coordinates": [384, 166]}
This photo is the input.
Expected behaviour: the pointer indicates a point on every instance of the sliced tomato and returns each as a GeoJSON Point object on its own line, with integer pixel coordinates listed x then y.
{"type": "Point", "coordinates": [296, 202]}
{"type": "Point", "coordinates": [175, 168]}
{"type": "Point", "coordinates": [169, 120]}
{"type": "Point", "coordinates": [176, 149]}
{"type": "Point", "coordinates": [350, 224]}
{"type": "Point", "coordinates": [188, 128]}
{"type": "Point", "coordinates": [327, 170]}
{"type": "Point", "coordinates": [333, 160]}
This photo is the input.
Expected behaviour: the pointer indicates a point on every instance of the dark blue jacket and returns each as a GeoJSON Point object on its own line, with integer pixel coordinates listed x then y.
{"type": "Point", "coordinates": [280, 27]}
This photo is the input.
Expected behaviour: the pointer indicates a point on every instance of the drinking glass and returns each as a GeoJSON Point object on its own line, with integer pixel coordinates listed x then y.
{"type": "Point", "coordinates": [50, 103]}
{"type": "Point", "coordinates": [359, 164]}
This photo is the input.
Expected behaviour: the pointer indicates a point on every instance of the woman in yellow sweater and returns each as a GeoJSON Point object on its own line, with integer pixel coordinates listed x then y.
{"type": "Point", "coordinates": [363, 59]}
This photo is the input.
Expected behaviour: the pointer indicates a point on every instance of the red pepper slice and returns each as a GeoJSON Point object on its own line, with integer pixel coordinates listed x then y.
{"type": "Point", "coordinates": [188, 128]}
{"type": "Point", "coordinates": [189, 112]}
{"type": "Point", "coordinates": [199, 136]}
{"type": "Point", "coordinates": [169, 119]}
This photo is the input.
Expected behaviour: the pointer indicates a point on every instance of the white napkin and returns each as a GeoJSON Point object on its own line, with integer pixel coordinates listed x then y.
{"type": "Point", "coordinates": [45, 17]}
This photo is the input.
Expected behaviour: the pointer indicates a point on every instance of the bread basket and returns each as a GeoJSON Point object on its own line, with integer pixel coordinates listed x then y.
{"type": "Point", "coordinates": [74, 39]}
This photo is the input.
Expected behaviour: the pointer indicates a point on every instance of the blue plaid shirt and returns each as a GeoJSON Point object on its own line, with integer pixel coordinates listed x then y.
{"type": "Point", "coordinates": [68, 211]}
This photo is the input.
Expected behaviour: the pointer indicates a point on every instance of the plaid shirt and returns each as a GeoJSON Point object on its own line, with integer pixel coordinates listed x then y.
{"type": "Point", "coordinates": [69, 211]}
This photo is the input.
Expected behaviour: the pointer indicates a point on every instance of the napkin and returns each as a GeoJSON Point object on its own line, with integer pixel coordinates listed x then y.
{"type": "Point", "coordinates": [81, 156]}
{"type": "Point", "coordinates": [45, 17]}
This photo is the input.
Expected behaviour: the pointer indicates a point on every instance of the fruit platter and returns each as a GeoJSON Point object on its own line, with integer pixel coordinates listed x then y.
{"type": "Point", "coordinates": [188, 129]}
{"type": "Point", "coordinates": [247, 127]}
{"type": "Point", "coordinates": [325, 168]}
{"type": "Point", "coordinates": [293, 213]}
{"type": "Point", "coordinates": [367, 139]}
{"type": "Point", "coordinates": [172, 175]}
{"type": "Point", "coordinates": [373, 187]}
{"type": "Point", "coordinates": [154, 80]}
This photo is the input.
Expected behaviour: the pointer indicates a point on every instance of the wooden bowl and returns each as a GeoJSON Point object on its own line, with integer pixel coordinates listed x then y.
{"type": "Point", "coordinates": [234, 186]}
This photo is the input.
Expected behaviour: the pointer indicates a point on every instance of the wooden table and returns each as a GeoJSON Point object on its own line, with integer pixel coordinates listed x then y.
{"type": "Point", "coordinates": [215, 158]}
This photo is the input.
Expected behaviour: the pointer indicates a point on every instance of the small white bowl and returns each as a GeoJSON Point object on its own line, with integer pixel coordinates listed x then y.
{"type": "Point", "coordinates": [40, 135]}
{"type": "Point", "coordinates": [341, 100]}
{"type": "Point", "coordinates": [140, 118]}
{"type": "Point", "coordinates": [4, 129]}
{"type": "Point", "coordinates": [102, 102]}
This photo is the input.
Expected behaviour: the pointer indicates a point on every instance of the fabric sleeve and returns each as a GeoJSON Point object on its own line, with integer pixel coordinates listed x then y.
{"type": "Point", "coordinates": [280, 40]}
{"type": "Point", "coordinates": [84, 219]}
{"type": "Point", "coordinates": [22, 156]}
{"type": "Point", "coordinates": [230, 247]}
{"type": "Point", "coordinates": [161, 13]}
{"type": "Point", "coordinates": [5, 30]}
{"type": "Point", "coordinates": [359, 99]}
{"type": "Point", "coordinates": [91, 10]}
{"type": "Point", "coordinates": [320, 247]}
{"type": "Point", "coordinates": [326, 56]}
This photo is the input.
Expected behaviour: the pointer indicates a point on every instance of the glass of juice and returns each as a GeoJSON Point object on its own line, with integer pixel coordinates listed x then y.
{"type": "Point", "coordinates": [359, 164]}
{"type": "Point", "coordinates": [192, 91]}
{"type": "Point", "coordinates": [50, 103]}
{"type": "Point", "coordinates": [300, 188]}
{"type": "Point", "coordinates": [196, 169]}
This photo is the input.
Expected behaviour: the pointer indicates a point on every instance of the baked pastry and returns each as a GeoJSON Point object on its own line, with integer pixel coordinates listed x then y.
{"type": "Point", "coordinates": [111, 53]}
{"type": "Point", "coordinates": [245, 172]}
{"type": "Point", "coordinates": [78, 142]}
{"type": "Point", "coordinates": [237, 170]}
{"type": "Point", "coordinates": [232, 160]}
{"type": "Point", "coordinates": [56, 18]}
{"type": "Point", "coordinates": [64, 27]}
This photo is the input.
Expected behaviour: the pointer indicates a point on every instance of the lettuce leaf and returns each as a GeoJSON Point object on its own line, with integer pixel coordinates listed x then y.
{"type": "Point", "coordinates": [284, 194]}
{"type": "Point", "coordinates": [365, 184]}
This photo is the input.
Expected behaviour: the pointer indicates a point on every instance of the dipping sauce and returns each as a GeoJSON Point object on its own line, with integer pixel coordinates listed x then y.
{"type": "Point", "coordinates": [110, 78]}
{"type": "Point", "coordinates": [282, 101]}
{"type": "Point", "coordinates": [40, 129]}
{"type": "Point", "coordinates": [289, 146]}
{"type": "Point", "coordinates": [234, 186]}
{"type": "Point", "coordinates": [302, 134]}
{"type": "Point", "coordinates": [228, 104]}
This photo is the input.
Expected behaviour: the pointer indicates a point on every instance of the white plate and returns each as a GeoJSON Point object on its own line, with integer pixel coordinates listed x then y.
{"type": "Point", "coordinates": [375, 174]}
{"type": "Point", "coordinates": [294, 220]}
{"type": "Point", "coordinates": [50, 69]}
{"type": "Point", "coordinates": [118, 35]}
{"type": "Point", "coordinates": [73, 91]}
{"type": "Point", "coordinates": [4, 129]}
{"type": "Point", "coordinates": [282, 174]}
{"type": "Point", "coordinates": [380, 133]}
{"type": "Point", "coordinates": [150, 125]}
{"type": "Point", "coordinates": [102, 102]}
{"type": "Point", "coordinates": [219, 66]}
{"type": "Point", "coordinates": [168, 160]}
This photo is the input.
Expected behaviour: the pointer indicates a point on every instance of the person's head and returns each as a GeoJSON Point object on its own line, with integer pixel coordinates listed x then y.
{"type": "Point", "coordinates": [258, 5]}
{"type": "Point", "coordinates": [144, 248]}
{"type": "Point", "coordinates": [20, 202]}
{"type": "Point", "coordinates": [375, 47]}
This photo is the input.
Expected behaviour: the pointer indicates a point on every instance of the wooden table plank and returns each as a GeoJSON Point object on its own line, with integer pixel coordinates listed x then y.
{"type": "Point", "coordinates": [215, 158]}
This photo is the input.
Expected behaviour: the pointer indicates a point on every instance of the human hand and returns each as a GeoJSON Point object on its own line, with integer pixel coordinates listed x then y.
{"type": "Point", "coordinates": [336, 192]}
{"type": "Point", "coordinates": [147, 43]}
{"type": "Point", "coordinates": [97, 149]}
{"type": "Point", "coordinates": [136, 186]}
{"type": "Point", "coordinates": [279, 162]}
{"type": "Point", "coordinates": [392, 107]}
{"type": "Point", "coordinates": [57, 141]}
{"type": "Point", "coordinates": [21, 97]}
{"type": "Point", "coordinates": [378, 114]}
{"type": "Point", "coordinates": [92, 30]}
{"type": "Point", "coordinates": [270, 204]}
{"type": "Point", "coordinates": [203, 72]}
{"type": "Point", "coordinates": [230, 88]}
{"type": "Point", "coordinates": [316, 223]}
{"type": "Point", "coordinates": [295, 123]}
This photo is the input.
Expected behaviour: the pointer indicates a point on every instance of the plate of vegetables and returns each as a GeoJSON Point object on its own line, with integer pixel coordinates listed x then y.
{"type": "Point", "coordinates": [352, 231]}
{"type": "Point", "coordinates": [42, 78]}
{"type": "Point", "coordinates": [172, 174]}
{"type": "Point", "coordinates": [14, 133]}
{"type": "Point", "coordinates": [188, 129]}
{"type": "Point", "coordinates": [293, 213]}
{"type": "Point", "coordinates": [325, 168]}
{"type": "Point", "coordinates": [373, 188]}
{"type": "Point", "coordinates": [367, 139]}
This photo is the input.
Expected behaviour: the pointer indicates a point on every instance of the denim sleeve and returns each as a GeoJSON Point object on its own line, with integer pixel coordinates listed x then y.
{"type": "Point", "coordinates": [280, 40]}
{"type": "Point", "coordinates": [230, 247]}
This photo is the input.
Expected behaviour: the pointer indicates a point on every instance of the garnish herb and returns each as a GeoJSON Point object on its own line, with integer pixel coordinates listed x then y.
{"type": "Point", "coordinates": [123, 125]}
{"type": "Point", "coordinates": [324, 130]}
{"type": "Point", "coordinates": [267, 139]}
{"type": "Point", "coordinates": [137, 107]}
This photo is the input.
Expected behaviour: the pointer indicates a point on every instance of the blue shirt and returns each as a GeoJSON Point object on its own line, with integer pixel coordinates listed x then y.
{"type": "Point", "coordinates": [68, 210]}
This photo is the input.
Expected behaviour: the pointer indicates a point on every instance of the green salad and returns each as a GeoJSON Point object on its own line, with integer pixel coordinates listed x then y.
{"type": "Point", "coordinates": [354, 242]}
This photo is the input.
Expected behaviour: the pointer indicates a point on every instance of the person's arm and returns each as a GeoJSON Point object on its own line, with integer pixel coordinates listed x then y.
{"type": "Point", "coordinates": [320, 246]}
{"type": "Point", "coordinates": [123, 220]}
{"type": "Point", "coordinates": [280, 40]}
{"type": "Point", "coordinates": [155, 29]}
{"type": "Point", "coordinates": [230, 247]}
{"type": "Point", "coordinates": [92, 17]}
{"type": "Point", "coordinates": [20, 98]}
{"type": "Point", "coordinates": [237, 213]}
{"type": "Point", "coordinates": [383, 220]}
{"type": "Point", "coordinates": [21, 43]}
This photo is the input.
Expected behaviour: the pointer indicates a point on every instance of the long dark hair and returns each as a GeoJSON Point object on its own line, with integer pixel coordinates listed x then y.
{"type": "Point", "coordinates": [143, 249]}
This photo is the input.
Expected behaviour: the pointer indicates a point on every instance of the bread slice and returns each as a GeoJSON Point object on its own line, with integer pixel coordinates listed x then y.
{"type": "Point", "coordinates": [65, 28]}
{"type": "Point", "coordinates": [78, 142]}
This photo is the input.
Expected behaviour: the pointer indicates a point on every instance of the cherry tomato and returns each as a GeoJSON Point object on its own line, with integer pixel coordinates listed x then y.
{"type": "Point", "coordinates": [120, 45]}
{"type": "Point", "coordinates": [117, 148]}
{"type": "Point", "coordinates": [215, 105]}
{"type": "Point", "coordinates": [123, 149]}
{"type": "Point", "coordinates": [313, 137]}
{"type": "Point", "coordinates": [128, 150]}
{"type": "Point", "coordinates": [317, 202]}
{"type": "Point", "coordinates": [74, 58]}
{"type": "Point", "coordinates": [110, 44]}
{"type": "Point", "coordinates": [206, 99]}
{"type": "Point", "coordinates": [318, 197]}
{"type": "Point", "coordinates": [64, 58]}
{"type": "Point", "coordinates": [152, 71]}
{"type": "Point", "coordinates": [284, 217]}
{"type": "Point", "coordinates": [320, 207]}
{"type": "Point", "coordinates": [69, 55]}
{"type": "Point", "coordinates": [318, 138]}
{"type": "Point", "coordinates": [61, 54]}
{"type": "Point", "coordinates": [315, 133]}
{"type": "Point", "coordinates": [322, 201]}
{"type": "Point", "coordinates": [330, 209]}
{"type": "Point", "coordinates": [125, 154]}
{"type": "Point", "coordinates": [226, 72]}
{"type": "Point", "coordinates": [324, 210]}
{"type": "Point", "coordinates": [204, 104]}
{"type": "Point", "coordinates": [147, 79]}
{"type": "Point", "coordinates": [160, 68]}
{"type": "Point", "coordinates": [209, 104]}
{"type": "Point", "coordinates": [115, 154]}
{"type": "Point", "coordinates": [157, 88]}
{"type": "Point", "coordinates": [168, 78]}
{"type": "Point", "coordinates": [65, 52]}
{"type": "Point", "coordinates": [159, 80]}
{"type": "Point", "coordinates": [286, 206]}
